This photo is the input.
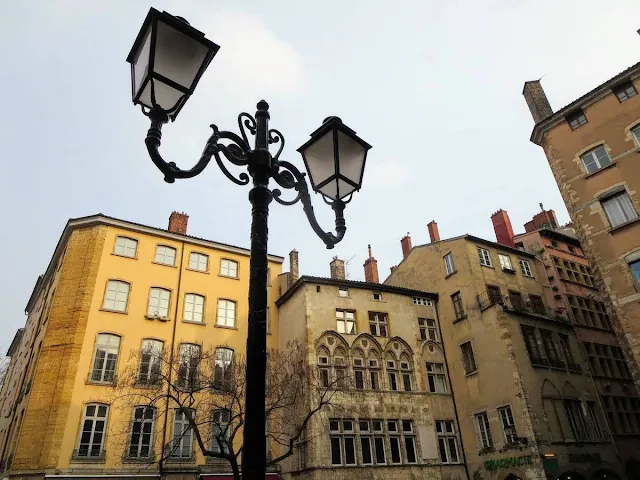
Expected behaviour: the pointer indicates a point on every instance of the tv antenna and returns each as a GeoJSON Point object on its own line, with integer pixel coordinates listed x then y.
{"type": "Point", "coordinates": [346, 267]}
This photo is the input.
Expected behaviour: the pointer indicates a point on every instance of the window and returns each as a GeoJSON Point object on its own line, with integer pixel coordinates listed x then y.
{"type": "Point", "coordinates": [374, 374]}
{"type": "Point", "coordinates": [193, 308]}
{"type": "Point", "coordinates": [576, 120]}
{"type": "Point", "coordinates": [494, 293]}
{"type": "Point", "coordinates": [573, 272]}
{"type": "Point", "coordinates": [428, 329]}
{"type": "Point", "coordinates": [323, 369]}
{"type": "Point", "coordinates": [342, 438]}
{"type": "Point", "coordinates": [220, 431]}
{"type": "Point", "coordinates": [392, 375]}
{"type": "Point", "coordinates": [636, 134]}
{"type": "Point", "coordinates": [92, 433]}
{"type": "Point", "coordinates": [150, 362]}
{"type": "Point", "coordinates": [366, 455]}
{"type": "Point", "coordinates": [596, 159]}
{"type": "Point", "coordinates": [405, 372]}
{"type": "Point", "coordinates": [449, 266]}
{"type": "Point", "coordinates": [484, 430]}
{"type": "Point", "coordinates": [589, 312]}
{"type": "Point", "coordinates": [635, 271]}
{"type": "Point", "coordinates": [223, 368]}
{"type": "Point", "coordinates": [525, 268]}
{"type": "Point", "coordinates": [468, 360]}
{"type": "Point", "coordinates": [458, 308]}
{"type": "Point", "coordinates": [141, 439]}
{"type": "Point", "coordinates": [607, 361]}
{"type": "Point", "coordinates": [358, 372]}
{"type": "Point", "coordinates": [577, 419]}
{"type": "Point", "coordinates": [126, 247]}
{"type": "Point", "coordinates": [447, 441]}
{"type": "Point", "coordinates": [436, 379]}
{"type": "Point", "coordinates": [159, 303]}
{"type": "Point", "coordinates": [485, 258]}
{"type": "Point", "coordinates": [343, 292]}
{"type": "Point", "coordinates": [619, 209]}
{"type": "Point", "coordinates": [394, 442]}
{"type": "Point", "coordinates": [623, 414]}
{"type": "Point", "coordinates": [377, 296]}
{"type": "Point", "coordinates": [116, 296]}
{"type": "Point", "coordinates": [508, 426]}
{"type": "Point", "coordinates": [378, 324]}
{"type": "Point", "coordinates": [625, 92]}
{"type": "Point", "coordinates": [189, 361]}
{"type": "Point", "coordinates": [537, 305]}
{"type": "Point", "coordinates": [165, 255]}
{"type": "Point", "coordinates": [104, 361]}
{"type": "Point", "coordinates": [533, 342]}
{"type": "Point", "coordinates": [228, 268]}
{"type": "Point", "coordinates": [505, 262]}
{"type": "Point", "coordinates": [199, 262]}
{"type": "Point", "coordinates": [226, 313]}
{"type": "Point", "coordinates": [346, 321]}
{"type": "Point", "coordinates": [182, 444]}
{"type": "Point", "coordinates": [422, 301]}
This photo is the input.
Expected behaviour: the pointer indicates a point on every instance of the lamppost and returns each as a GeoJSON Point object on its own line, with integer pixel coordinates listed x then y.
{"type": "Point", "coordinates": [167, 60]}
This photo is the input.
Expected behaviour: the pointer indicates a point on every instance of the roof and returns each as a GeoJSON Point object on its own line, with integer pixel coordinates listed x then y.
{"type": "Point", "coordinates": [352, 284]}
{"type": "Point", "coordinates": [100, 219]}
{"type": "Point", "coordinates": [17, 338]}
{"type": "Point", "coordinates": [562, 234]}
{"type": "Point", "coordinates": [588, 98]}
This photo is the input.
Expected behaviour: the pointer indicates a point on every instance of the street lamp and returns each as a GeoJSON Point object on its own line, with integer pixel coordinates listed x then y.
{"type": "Point", "coordinates": [167, 60]}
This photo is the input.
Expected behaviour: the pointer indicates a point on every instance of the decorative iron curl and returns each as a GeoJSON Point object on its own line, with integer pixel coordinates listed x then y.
{"type": "Point", "coordinates": [250, 123]}
{"type": "Point", "coordinates": [276, 137]}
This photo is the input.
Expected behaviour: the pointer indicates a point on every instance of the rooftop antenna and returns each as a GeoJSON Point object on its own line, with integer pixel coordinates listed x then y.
{"type": "Point", "coordinates": [346, 267]}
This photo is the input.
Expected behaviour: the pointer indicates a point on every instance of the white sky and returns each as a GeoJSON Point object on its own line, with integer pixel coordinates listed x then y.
{"type": "Point", "coordinates": [434, 86]}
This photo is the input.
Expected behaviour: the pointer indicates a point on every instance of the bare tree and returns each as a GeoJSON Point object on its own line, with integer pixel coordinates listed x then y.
{"type": "Point", "coordinates": [206, 390]}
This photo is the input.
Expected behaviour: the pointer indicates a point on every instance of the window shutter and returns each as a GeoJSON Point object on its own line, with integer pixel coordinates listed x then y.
{"type": "Point", "coordinates": [428, 442]}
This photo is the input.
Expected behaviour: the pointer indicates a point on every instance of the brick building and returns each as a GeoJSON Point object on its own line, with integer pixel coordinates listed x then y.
{"type": "Point", "coordinates": [592, 147]}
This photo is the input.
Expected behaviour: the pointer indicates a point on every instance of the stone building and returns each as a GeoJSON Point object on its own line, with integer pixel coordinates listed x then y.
{"type": "Point", "coordinates": [592, 147]}
{"type": "Point", "coordinates": [526, 407]}
{"type": "Point", "coordinates": [111, 288]}
{"type": "Point", "coordinates": [383, 345]}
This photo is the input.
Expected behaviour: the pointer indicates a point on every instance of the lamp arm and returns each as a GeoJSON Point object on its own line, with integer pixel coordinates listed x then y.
{"type": "Point", "coordinates": [289, 177]}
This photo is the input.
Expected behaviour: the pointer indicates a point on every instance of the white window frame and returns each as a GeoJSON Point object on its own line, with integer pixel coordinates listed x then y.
{"type": "Point", "coordinates": [199, 262]}
{"type": "Point", "coordinates": [182, 435]}
{"type": "Point", "coordinates": [485, 257]}
{"type": "Point", "coordinates": [381, 319]}
{"type": "Point", "coordinates": [94, 418]}
{"type": "Point", "coordinates": [189, 359]}
{"type": "Point", "coordinates": [449, 264]}
{"type": "Point", "coordinates": [625, 92]}
{"type": "Point", "coordinates": [229, 268]}
{"type": "Point", "coordinates": [594, 160]}
{"type": "Point", "coordinates": [220, 427]}
{"type": "Point", "coordinates": [406, 375]}
{"type": "Point", "coordinates": [126, 247]}
{"type": "Point", "coordinates": [165, 255]}
{"type": "Point", "coordinates": [150, 369]}
{"type": "Point", "coordinates": [483, 430]}
{"type": "Point", "coordinates": [507, 422]}
{"type": "Point", "coordinates": [621, 205]}
{"type": "Point", "coordinates": [525, 268]}
{"type": "Point", "coordinates": [193, 308]}
{"type": "Point", "coordinates": [113, 296]}
{"type": "Point", "coordinates": [224, 318]}
{"type": "Point", "coordinates": [105, 372]}
{"type": "Point", "coordinates": [428, 329]}
{"type": "Point", "coordinates": [343, 292]}
{"type": "Point", "coordinates": [346, 322]}
{"type": "Point", "coordinates": [422, 301]}
{"type": "Point", "coordinates": [505, 261]}
{"type": "Point", "coordinates": [445, 432]}
{"type": "Point", "coordinates": [635, 131]}
{"type": "Point", "coordinates": [223, 363]}
{"type": "Point", "coordinates": [143, 422]}
{"type": "Point", "coordinates": [377, 296]}
{"type": "Point", "coordinates": [159, 303]}
{"type": "Point", "coordinates": [436, 371]}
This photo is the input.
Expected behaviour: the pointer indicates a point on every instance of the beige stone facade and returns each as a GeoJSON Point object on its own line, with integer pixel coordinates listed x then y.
{"type": "Point", "coordinates": [525, 404]}
{"type": "Point", "coordinates": [398, 424]}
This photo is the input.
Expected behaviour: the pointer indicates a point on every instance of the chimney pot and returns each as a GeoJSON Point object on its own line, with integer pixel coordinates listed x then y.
{"type": "Point", "coordinates": [405, 242]}
{"type": "Point", "coordinates": [371, 269]}
{"type": "Point", "coordinates": [293, 265]}
{"type": "Point", "coordinates": [434, 234]}
{"type": "Point", "coordinates": [536, 100]}
{"type": "Point", "coordinates": [502, 227]}
{"type": "Point", "coordinates": [336, 268]}
{"type": "Point", "coordinates": [178, 222]}
{"type": "Point", "coordinates": [545, 218]}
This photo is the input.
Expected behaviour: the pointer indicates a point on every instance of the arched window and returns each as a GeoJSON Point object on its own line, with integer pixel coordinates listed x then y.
{"type": "Point", "coordinates": [340, 367]}
{"type": "Point", "coordinates": [105, 358]}
{"type": "Point", "coordinates": [406, 372]}
{"type": "Point", "coordinates": [324, 369]}
{"type": "Point", "coordinates": [374, 369]}
{"type": "Point", "coordinates": [359, 369]}
{"type": "Point", "coordinates": [392, 372]}
{"type": "Point", "coordinates": [223, 368]}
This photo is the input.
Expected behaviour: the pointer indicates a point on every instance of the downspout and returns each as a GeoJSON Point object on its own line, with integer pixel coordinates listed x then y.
{"type": "Point", "coordinates": [173, 339]}
{"type": "Point", "coordinates": [453, 397]}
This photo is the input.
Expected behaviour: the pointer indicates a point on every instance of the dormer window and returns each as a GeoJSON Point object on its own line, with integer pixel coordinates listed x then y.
{"type": "Point", "coordinates": [625, 92]}
{"type": "Point", "coordinates": [576, 120]}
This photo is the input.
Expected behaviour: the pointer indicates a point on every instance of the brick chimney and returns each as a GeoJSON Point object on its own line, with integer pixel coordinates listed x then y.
{"type": "Point", "coordinates": [502, 227]}
{"type": "Point", "coordinates": [337, 269]}
{"type": "Point", "coordinates": [434, 234]}
{"type": "Point", "coordinates": [536, 100]}
{"type": "Point", "coordinates": [178, 222]}
{"type": "Point", "coordinates": [371, 269]}
{"type": "Point", "coordinates": [406, 245]}
{"type": "Point", "coordinates": [542, 219]}
{"type": "Point", "coordinates": [293, 265]}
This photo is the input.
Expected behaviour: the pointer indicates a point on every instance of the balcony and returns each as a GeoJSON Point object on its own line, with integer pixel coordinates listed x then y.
{"type": "Point", "coordinates": [521, 305]}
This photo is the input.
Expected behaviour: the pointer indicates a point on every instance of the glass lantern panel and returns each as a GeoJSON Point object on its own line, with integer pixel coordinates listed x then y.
{"type": "Point", "coordinates": [178, 57]}
{"type": "Point", "coordinates": [166, 96]}
{"type": "Point", "coordinates": [141, 63]}
{"type": "Point", "coordinates": [351, 157]}
{"type": "Point", "coordinates": [319, 158]}
{"type": "Point", "coordinates": [330, 190]}
{"type": "Point", "coordinates": [344, 188]}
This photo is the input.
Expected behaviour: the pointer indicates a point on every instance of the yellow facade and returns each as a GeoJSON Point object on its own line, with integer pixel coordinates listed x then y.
{"type": "Point", "coordinates": [40, 424]}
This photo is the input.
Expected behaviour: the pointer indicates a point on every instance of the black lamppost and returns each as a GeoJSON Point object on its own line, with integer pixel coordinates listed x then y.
{"type": "Point", "coordinates": [167, 60]}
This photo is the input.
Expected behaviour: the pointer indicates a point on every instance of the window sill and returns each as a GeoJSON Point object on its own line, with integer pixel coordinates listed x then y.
{"type": "Point", "coordinates": [228, 276]}
{"type": "Point", "coordinates": [487, 266]}
{"type": "Point", "coordinates": [624, 225]}
{"type": "Point", "coordinates": [193, 322]}
{"type": "Point", "coordinates": [459, 319]}
{"type": "Point", "coordinates": [124, 256]}
{"type": "Point", "coordinates": [606, 167]}
{"type": "Point", "coordinates": [108, 310]}
{"type": "Point", "coordinates": [471, 374]}
{"type": "Point", "coordinates": [165, 264]}
{"type": "Point", "coordinates": [99, 383]}
{"type": "Point", "coordinates": [197, 271]}
{"type": "Point", "coordinates": [190, 459]}
{"type": "Point", "coordinates": [160, 319]}
{"type": "Point", "coordinates": [148, 385]}
{"type": "Point", "coordinates": [150, 459]}
{"type": "Point", "coordinates": [224, 326]}
{"type": "Point", "coordinates": [449, 274]}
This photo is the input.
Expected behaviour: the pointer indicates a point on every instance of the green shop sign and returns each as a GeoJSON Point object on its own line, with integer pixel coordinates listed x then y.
{"type": "Point", "coordinates": [507, 462]}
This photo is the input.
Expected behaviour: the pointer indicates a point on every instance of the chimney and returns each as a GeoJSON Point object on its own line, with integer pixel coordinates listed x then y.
{"type": "Point", "coordinates": [406, 245]}
{"type": "Point", "coordinates": [293, 265]}
{"type": "Point", "coordinates": [502, 227]}
{"type": "Point", "coordinates": [371, 269]}
{"type": "Point", "coordinates": [178, 223]}
{"type": "Point", "coordinates": [543, 219]}
{"type": "Point", "coordinates": [536, 100]}
{"type": "Point", "coordinates": [337, 269]}
{"type": "Point", "coordinates": [434, 234]}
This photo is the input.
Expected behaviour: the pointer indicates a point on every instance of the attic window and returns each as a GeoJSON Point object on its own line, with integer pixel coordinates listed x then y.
{"type": "Point", "coordinates": [625, 92]}
{"type": "Point", "coordinates": [377, 296]}
{"type": "Point", "coordinates": [576, 120]}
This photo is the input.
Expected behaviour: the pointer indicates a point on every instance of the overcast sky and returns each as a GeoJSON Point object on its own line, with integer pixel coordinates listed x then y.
{"type": "Point", "coordinates": [434, 86]}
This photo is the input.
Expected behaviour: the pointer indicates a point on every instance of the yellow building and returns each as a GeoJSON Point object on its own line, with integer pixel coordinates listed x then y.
{"type": "Point", "coordinates": [111, 288]}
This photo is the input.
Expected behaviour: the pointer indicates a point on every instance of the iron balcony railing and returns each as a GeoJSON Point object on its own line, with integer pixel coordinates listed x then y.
{"type": "Point", "coordinates": [520, 304]}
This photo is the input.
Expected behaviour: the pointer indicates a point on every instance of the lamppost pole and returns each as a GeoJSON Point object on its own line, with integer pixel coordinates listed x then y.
{"type": "Point", "coordinates": [167, 60]}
